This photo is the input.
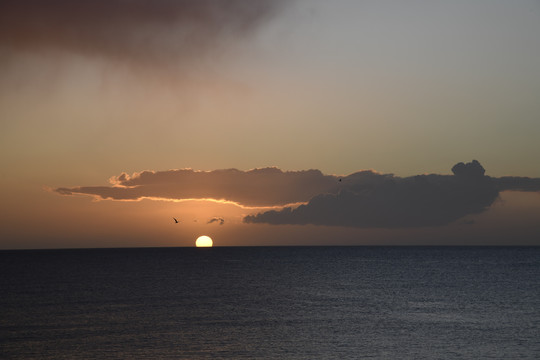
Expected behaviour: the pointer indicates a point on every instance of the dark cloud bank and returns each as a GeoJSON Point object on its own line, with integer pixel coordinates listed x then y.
{"type": "Point", "coordinates": [258, 187]}
{"type": "Point", "coordinates": [362, 199]}
{"type": "Point", "coordinates": [134, 29]}
{"type": "Point", "coordinates": [368, 199]}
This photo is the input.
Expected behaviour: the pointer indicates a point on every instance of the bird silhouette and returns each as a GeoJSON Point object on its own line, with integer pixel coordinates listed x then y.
{"type": "Point", "coordinates": [176, 221]}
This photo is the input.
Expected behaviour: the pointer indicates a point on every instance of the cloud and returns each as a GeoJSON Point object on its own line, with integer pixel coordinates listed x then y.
{"type": "Point", "coordinates": [517, 183]}
{"type": "Point", "coordinates": [220, 220]}
{"type": "Point", "coordinates": [362, 199]}
{"type": "Point", "coordinates": [129, 29]}
{"type": "Point", "coordinates": [386, 201]}
{"type": "Point", "coordinates": [257, 187]}
{"type": "Point", "coordinates": [471, 170]}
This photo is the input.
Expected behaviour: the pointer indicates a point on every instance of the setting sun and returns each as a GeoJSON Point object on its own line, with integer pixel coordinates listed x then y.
{"type": "Point", "coordinates": [204, 241]}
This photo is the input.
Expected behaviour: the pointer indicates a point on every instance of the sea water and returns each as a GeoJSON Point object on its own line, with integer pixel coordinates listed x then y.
{"type": "Point", "coordinates": [271, 303]}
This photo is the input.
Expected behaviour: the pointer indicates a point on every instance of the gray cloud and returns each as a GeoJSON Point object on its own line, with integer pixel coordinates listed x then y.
{"type": "Point", "coordinates": [517, 183]}
{"type": "Point", "coordinates": [219, 220]}
{"type": "Point", "coordinates": [387, 201]}
{"type": "Point", "coordinates": [134, 29]}
{"type": "Point", "coordinates": [258, 187]}
{"type": "Point", "coordinates": [471, 170]}
{"type": "Point", "coordinates": [362, 199]}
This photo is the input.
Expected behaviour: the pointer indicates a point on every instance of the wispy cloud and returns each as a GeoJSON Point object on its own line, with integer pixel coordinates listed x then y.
{"type": "Point", "coordinates": [219, 220]}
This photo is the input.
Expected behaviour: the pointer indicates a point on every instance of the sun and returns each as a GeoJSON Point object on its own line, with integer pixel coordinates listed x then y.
{"type": "Point", "coordinates": [204, 241]}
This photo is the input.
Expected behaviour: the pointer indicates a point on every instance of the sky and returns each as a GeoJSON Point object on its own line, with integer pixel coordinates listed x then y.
{"type": "Point", "coordinates": [302, 122]}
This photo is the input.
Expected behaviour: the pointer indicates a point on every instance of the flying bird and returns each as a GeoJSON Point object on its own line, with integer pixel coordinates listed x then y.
{"type": "Point", "coordinates": [176, 221]}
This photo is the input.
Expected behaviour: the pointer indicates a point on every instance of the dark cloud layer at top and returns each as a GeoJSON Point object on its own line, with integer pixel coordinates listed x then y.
{"type": "Point", "coordinates": [135, 29]}
{"type": "Point", "coordinates": [362, 199]}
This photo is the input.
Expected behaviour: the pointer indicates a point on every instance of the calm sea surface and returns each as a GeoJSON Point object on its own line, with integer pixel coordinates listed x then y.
{"type": "Point", "coordinates": [271, 303]}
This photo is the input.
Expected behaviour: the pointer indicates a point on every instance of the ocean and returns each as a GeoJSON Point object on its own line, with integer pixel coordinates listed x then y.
{"type": "Point", "coordinates": [271, 303]}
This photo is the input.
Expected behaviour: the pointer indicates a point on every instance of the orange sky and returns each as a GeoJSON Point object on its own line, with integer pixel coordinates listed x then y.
{"type": "Point", "coordinates": [87, 93]}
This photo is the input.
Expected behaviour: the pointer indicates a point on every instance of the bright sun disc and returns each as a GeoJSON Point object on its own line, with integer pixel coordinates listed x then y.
{"type": "Point", "coordinates": [204, 241]}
